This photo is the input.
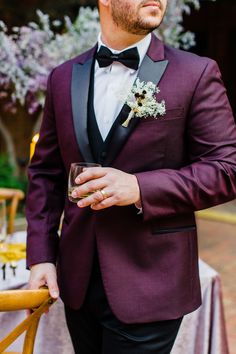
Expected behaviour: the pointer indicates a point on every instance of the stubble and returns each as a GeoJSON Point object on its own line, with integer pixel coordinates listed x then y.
{"type": "Point", "coordinates": [131, 21]}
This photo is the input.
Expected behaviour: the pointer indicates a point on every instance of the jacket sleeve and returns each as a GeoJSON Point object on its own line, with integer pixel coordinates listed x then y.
{"type": "Point", "coordinates": [210, 177]}
{"type": "Point", "coordinates": [46, 191]}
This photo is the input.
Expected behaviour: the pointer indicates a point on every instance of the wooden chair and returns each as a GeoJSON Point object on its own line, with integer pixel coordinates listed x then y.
{"type": "Point", "coordinates": [13, 196]}
{"type": "Point", "coordinates": [38, 301]}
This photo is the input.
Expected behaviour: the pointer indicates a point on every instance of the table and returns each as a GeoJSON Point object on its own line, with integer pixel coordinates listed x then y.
{"type": "Point", "coordinates": [201, 332]}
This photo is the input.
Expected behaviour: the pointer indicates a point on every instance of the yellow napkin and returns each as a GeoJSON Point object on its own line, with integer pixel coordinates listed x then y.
{"type": "Point", "coordinates": [12, 252]}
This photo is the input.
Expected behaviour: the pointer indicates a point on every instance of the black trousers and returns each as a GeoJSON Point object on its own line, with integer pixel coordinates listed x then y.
{"type": "Point", "coordinates": [95, 330]}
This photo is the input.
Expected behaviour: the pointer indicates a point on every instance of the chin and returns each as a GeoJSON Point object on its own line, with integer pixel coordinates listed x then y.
{"type": "Point", "coordinates": [151, 23]}
{"type": "Point", "coordinates": [154, 17]}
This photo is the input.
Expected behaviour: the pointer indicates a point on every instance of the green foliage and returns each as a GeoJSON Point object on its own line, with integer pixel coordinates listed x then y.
{"type": "Point", "coordinates": [7, 176]}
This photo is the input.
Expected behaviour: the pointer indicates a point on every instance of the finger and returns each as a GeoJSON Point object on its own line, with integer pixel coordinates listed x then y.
{"type": "Point", "coordinates": [52, 287]}
{"type": "Point", "coordinates": [35, 284]}
{"type": "Point", "coordinates": [106, 203]}
{"type": "Point", "coordinates": [28, 312]}
{"type": "Point", "coordinates": [89, 187]}
{"type": "Point", "coordinates": [90, 173]}
{"type": "Point", "coordinates": [94, 198]}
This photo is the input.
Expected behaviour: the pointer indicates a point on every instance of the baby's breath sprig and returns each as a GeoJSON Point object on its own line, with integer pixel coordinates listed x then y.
{"type": "Point", "coordinates": [142, 101]}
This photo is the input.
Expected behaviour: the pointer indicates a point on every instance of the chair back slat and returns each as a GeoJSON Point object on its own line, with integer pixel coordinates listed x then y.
{"type": "Point", "coordinates": [38, 301]}
{"type": "Point", "coordinates": [30, 338]}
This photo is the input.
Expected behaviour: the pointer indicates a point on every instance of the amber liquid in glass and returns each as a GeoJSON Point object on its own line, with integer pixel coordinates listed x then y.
{"type": "Point", "coordinates": [75, 200]}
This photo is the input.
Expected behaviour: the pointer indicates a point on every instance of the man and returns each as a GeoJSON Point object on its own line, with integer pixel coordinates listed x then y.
{"type": "Point", "coordinates": [128, 276]}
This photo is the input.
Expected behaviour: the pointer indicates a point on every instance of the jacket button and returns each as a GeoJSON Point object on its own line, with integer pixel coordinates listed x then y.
{"type": "Point", "coordinates": [103, 154]}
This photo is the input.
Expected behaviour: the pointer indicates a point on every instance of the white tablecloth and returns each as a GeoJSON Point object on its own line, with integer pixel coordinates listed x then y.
{"type": "Point", "coordinates": [201, 332]}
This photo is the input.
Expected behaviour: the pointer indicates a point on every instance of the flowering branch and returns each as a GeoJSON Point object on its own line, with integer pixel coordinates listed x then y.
{"type": "Point", "coordinates": [29, 53]}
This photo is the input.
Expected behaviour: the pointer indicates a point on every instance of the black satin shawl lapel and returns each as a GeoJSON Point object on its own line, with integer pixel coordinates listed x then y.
{"type": "Point", "coordinates": [79, 95]}
{"type": "Point", "coordinates": [149, 71]}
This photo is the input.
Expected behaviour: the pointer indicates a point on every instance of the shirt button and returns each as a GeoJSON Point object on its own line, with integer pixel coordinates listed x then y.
{"type": "Point", "coordinates": [103, 154]}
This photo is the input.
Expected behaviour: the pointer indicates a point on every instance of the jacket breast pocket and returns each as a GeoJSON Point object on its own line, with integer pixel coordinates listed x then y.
{"type": "Point", "coordinates": [171, 114]}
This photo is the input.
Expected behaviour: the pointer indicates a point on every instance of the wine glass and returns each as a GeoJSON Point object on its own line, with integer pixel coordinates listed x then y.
{"type": "Point", "coordinates": [3, 234]}
{"type": "Point", "coordinates": [75, 169]}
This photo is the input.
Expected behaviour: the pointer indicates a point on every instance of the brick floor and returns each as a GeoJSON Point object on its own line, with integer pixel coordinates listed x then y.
{"type": "Point", "coordinates": [217, 245]}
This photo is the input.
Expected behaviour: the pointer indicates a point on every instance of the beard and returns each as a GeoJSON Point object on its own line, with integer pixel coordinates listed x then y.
{"type": "Point", "coordinates": [129, 19]}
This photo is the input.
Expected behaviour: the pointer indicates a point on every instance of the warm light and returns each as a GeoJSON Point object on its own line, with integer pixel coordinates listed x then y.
{"type": "Point", "coordinates": [33, 144]}
{"type": "Point", "coordinates": [35, 138]}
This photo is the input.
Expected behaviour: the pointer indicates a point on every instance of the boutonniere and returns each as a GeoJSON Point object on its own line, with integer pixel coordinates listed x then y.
{"type": "Point", "coordinates": [142, 101]}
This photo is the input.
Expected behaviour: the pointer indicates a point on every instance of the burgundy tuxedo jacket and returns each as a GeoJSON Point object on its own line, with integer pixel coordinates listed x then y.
{"type": "Point", "coordinates": [184, 161]}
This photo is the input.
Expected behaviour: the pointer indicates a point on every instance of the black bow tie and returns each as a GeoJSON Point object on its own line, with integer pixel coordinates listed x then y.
{"type": "Point", "coordinates": [129, 57]}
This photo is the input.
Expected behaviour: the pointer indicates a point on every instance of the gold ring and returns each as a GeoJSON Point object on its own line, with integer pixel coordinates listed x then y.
{"type": "Point", "coordinates": [103, 194]}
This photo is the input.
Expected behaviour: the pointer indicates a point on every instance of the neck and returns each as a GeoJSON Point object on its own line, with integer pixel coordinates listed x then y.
{"type": "Point", "coordinates": [118, 39]}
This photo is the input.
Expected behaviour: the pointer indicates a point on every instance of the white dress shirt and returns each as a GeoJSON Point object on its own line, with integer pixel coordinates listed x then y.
{"type": "Point", "coordinates": [110, 83]}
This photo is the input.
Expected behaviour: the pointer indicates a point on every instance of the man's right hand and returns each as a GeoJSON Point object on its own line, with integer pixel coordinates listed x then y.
{"type": "Point", "coordinates": [44, 274]}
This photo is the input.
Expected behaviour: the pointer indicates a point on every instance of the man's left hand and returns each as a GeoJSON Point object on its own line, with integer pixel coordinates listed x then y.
{"type": "Point", "coordinates": [108, 186]}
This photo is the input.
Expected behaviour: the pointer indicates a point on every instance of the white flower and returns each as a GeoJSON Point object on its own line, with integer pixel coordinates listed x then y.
{"type": "Point", "coordinates": [142, 101]}
{"type": "Point", "coordinates": [29, 53]}
{"type": "Point", "coordinates": [172, 30]}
